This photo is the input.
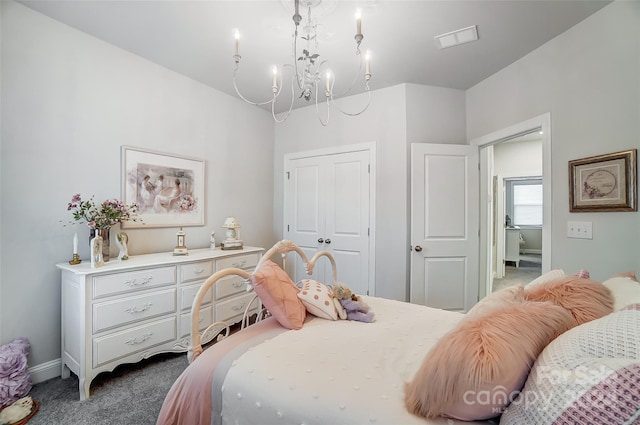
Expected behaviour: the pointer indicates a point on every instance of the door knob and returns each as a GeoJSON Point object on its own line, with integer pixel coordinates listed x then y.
{"type": "Point", "coordinates": [320, 240]}
{"type": "Point", "coordinates": [418, 248]}
{"type": "Point", "coordinates": [327, 241]}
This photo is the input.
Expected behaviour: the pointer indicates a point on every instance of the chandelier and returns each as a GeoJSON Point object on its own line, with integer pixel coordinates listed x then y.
{"type": "Point", "coordinates": [311, 77]}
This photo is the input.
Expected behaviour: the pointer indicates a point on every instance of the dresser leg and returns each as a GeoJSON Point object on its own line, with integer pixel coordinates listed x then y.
{"type": "Point", "coordinates": [66, 372]}
{"type": "Point", "coordinates": [84, 389]}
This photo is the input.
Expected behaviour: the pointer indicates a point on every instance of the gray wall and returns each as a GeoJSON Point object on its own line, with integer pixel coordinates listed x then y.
{"type": "Point", "coordinates": [588, 78]}
{"type": "Point", "coordinates": [69, 101]}
{"type": "Point", "coordinates": [392, 127]}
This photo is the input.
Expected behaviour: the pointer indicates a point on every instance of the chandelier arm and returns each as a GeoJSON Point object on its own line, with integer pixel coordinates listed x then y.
{"type": "Point", "coordinates": [273, 105]}
{"type": "Point", "coordinates": [294, 57]}
{"type": "Point", "coordinates": [355, 77]}
{"type": "Point", "coordinates": [235, 86]}
{"type": "Point", "coordinates": [354, 114]}
{"type": "Point", "coordinates": [324, 123]}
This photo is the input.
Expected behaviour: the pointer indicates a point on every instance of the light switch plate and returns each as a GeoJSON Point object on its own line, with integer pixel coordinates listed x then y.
{"type": "Point", "coordinates": [580, 229]}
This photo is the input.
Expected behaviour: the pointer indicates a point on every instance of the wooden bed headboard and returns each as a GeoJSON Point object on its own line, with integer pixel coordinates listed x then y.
{"type": "Point", "coordinates": [284, 247]}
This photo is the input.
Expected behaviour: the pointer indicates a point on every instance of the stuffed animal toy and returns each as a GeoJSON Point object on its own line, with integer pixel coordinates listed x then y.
{"type": "Point", "coordinates": [349, 305]}
{"type": "Point", "coordinates": [17, 411]}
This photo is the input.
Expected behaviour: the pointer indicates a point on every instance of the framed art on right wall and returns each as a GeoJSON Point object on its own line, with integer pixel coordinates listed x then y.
{"type": "Point", "coordinates": [604, 183]}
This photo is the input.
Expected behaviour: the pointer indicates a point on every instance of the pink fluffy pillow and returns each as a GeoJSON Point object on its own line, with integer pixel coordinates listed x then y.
{"type": "Point", "coordinates": [496, 300]}
{"type": "Point", "coordinates": [585, 299]}
{"type": "Point", "coordinates": [475, 371]}
{"type": "Point", "coordinates": [279, 295]}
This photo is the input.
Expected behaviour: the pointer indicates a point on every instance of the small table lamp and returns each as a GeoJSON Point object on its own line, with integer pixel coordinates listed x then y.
{"type": "Point", "coordinates": [232, 241]}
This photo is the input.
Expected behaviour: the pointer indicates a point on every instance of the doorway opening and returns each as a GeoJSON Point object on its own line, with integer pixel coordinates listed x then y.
{"type": "Point", "coordinates": [500, 168]}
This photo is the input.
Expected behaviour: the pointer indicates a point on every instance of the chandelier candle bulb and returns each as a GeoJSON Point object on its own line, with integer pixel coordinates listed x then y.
{"type": "Point", "coordinates": [237, 37]}
{"type": "Point", "coordinates": [367, 64]}
{"type": "Point", "coordinates": [358, 21]}
{"type": "Point", "coordinates": [328, 83]}
{"type": "Point", "coordinates": [275, 79]}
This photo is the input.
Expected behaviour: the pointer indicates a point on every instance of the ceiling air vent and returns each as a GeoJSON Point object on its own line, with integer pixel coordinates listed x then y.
{"type": "Point", "coordinates": [453, 38]}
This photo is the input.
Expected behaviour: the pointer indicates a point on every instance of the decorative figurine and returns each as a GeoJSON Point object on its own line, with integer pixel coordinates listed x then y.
{"type": "Point", "coordinates": [122, 239]}
{"type": "Point", "coordinates": [96, 251]}
{"type": "Point", "coordinates": [181, 247]}
{"type": "Point", "coordinates": [212, 240]}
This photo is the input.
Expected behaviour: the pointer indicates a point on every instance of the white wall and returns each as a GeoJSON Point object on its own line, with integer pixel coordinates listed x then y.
{"type": "Point", "coordinates": [392, 127]}
{"type": "Point", "coordinates": [588, 78]}
{"type": "Point", "coordinates": [69, 101]}
{"type": "Point", "coordinates": [518, 159]}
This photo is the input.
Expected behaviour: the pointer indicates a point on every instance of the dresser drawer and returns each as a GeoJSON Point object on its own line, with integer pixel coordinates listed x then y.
{"type": "Point", "coordinates": [206, 318]}
{"type": "Point", "coordinates": [194, 271]}
{"type": "Point", "coordinates": [234, 308]}
{"type": "Point", "coordinates": [229, 285]}
{"type": "Point", "coordinates": [188, 294]}
{"type": "Point", "coordinates": [135, 339]}
{"type": "Point", "coordinates": [131, 309]}
{"type": "Point", "coordinates": [245, 261]}
{"type": "Point", "coordinates": [132, 281]}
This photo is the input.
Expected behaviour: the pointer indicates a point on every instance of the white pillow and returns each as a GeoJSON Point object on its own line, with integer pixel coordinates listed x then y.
{"type": "Point", "coordinates": [317, 299]}
{"type": "Point", "coordinates": [589, 375]}
{"type": "Point", "coordinates": [625, 291]}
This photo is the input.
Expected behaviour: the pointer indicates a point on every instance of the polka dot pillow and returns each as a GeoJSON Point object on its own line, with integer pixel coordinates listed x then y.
{"type": "Point", "coordinates": [317, 299]}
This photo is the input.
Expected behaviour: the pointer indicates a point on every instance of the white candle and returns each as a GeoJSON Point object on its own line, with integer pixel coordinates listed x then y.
{"type": "Point", "coordinates": [75, 243]}
{"type": "Point", "coordinates": [367, 63]}
{"type": "Point", "coordinates": [358, 21]}
{"type": "Point", "coordinates": [328, 83]}
{"type": "Point", "coordinates": [237, 36]}
{"type": "Point", "coordinates": [275, 78]}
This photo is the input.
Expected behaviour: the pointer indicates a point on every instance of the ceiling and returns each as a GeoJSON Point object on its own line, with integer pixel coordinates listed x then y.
{"type": "Point", "coordinates": [196, 38]}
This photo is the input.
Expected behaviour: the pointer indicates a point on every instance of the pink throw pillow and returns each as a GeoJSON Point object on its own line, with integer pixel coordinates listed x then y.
{"type": "Point", "coordinates": [585, 299]}
{"type": "Point", "coordinates": [495, 300]}
{"type": "Point", "coordinates": [279, 295]}
{"type": "Point", "coordinates": [475, 371]}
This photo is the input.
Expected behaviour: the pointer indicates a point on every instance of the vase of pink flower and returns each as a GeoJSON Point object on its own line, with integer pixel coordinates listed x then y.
{"type": "Point", "coordinates": [100, 217]}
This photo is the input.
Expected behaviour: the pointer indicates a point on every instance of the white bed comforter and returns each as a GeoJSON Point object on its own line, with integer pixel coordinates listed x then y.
{"type": "Point", "coordinates": [336, 372]}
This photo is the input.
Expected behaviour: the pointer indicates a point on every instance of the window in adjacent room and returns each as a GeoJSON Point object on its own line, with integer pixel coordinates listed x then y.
{"type": "Point", "coordinates": [524, 201]}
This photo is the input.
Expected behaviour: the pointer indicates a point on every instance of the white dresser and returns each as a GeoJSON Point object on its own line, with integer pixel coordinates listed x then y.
{"type": "Point", "coordinates": [512, 245]}
{"type": "Point", "coordinates": [129, 310]}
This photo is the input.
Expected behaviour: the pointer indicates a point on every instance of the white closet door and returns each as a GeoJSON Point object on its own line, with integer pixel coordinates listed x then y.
{"type": "Point", "coordinates": [327, 207]}
{"type": "Point", "coordinates": [304, 211]}
{"type": "Point", "coordinates": [347, 217]}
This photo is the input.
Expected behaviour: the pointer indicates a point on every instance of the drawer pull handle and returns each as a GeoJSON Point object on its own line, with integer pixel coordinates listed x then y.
{"type": "Point", "coordinates": [239, 264]}
{"type": "Point", "coordinates": [135, 282]}
{"type": "Point", "coordinates": [135, 309]}
{"type": "Point", "coordinates": [238, 307]}
{"type": "Point", "coordinates": [238, 284]}
{"type": "Point", "coordinates": [198, 271]}
{"type": "Point", "coordinates": [139, 339]}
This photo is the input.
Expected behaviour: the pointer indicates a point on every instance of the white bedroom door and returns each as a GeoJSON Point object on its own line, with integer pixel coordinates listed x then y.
{"type": "Point", "coordinates": [327, 207]}
{"type": "Point", "coordinates": [445, 225]}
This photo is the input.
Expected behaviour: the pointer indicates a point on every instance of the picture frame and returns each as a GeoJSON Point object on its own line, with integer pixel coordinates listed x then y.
{"type": "Point", "coordinates": [168, 189]}
{"type": "Point", "coordinates": [604, 183]}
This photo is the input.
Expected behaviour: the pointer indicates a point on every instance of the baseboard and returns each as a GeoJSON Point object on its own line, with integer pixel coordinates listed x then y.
{"type": "Point", "coordinates": [533, 251]}
{"type": "Point", "coordinates": [45, 371]}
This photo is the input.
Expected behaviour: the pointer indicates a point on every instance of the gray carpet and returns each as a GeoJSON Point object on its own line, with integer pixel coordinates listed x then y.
{"type": "Point", "coordinates": [530, 268]}
{"type": "Point", "coordinates": [130, 395]}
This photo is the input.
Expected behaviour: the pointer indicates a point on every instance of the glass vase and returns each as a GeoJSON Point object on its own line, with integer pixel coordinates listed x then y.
{"type": "Point", "coordinates": [104, 233]}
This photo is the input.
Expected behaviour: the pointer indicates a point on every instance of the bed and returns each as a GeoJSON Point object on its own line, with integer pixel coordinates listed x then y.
{"type": "Point", "coordinates": [346, 371]}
